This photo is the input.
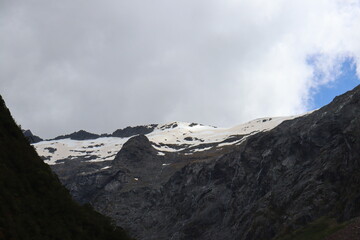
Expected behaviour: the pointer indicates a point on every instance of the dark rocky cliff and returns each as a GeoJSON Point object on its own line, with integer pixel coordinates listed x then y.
{"type": "Point", "coordinates": [272, 183]}
{"type": "Point", "coordinates": [278, 180]}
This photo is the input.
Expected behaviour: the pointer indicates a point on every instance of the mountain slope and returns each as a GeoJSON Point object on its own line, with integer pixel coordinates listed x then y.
{"type": "Point", "coordinates": [33, 203]}
{"type": "Point", "coordinates": [260, 180]}
{"type": "Point", "coordinates": [176, 137]}
{"type": "Point", "coordinates": [275, 181]}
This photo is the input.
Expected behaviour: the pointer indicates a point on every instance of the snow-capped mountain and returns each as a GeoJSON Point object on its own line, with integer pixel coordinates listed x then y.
{"type": "Point", "coordinates": [181, 137]}
{"type": "Point", "coordinates": [257, 180]}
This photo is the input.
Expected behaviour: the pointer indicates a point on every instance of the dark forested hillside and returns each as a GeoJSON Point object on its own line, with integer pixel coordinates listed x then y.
{"type": "Point", "coordinates": [33, 203]}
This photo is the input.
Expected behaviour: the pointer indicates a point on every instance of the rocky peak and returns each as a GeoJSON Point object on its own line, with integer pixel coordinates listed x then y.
{"type": "Point", "coordinates": [132, 131]}
{"type": "Point", "coordinates": [31, 137]}
{"type": "Point", "coordinates": [79, 135]}
{"type": "Point", "coordinates": [137, 151]}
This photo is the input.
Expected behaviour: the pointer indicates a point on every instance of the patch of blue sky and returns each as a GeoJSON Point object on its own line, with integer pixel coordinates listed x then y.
{"type": "Point", "coordinates": [345, 79]}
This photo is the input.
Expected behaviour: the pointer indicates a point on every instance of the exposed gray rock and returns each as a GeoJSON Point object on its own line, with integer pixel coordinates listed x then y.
{"type": "Point", "coordinates": [132, 131]}
{"type": "Point", "coordinates": [31, 137]}
{"type": "Point", "coordinates": [137, 152]}
{"type": "Point", "coordinates": [79, 135]}
{"type": "Point", "coordinates": [273, 182]}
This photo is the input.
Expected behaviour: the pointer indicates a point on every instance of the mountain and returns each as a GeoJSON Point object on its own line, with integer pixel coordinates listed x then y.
{"type": "Point", "coordinates": [33, 203]}
{"type": "Point", "coordinates": [79, 135]}
{"type": "Point", "coordinates": [176, 137]}
{"type": "Point", "coordinates": [84, 135]}
{"type": "Point", "coordinates": [272, 178]}
{"type": "Point", "coordinates": [31, 137]}
{"type": "Point", "coordinates": [132, 131]}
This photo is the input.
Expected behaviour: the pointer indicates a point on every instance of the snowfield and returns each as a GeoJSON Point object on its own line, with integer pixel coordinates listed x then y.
{"type": "Point", "coordinates": [172, 137]}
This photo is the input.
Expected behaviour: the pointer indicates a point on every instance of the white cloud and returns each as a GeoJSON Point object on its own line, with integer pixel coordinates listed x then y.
{"type": "Point", "coordinates": [102, 65]}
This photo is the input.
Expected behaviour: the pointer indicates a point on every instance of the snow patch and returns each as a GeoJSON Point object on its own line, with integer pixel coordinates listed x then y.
{"type": "Point", "coordinates": [107, 167]}
{"type": "Point", "coordinates": [181, 135]}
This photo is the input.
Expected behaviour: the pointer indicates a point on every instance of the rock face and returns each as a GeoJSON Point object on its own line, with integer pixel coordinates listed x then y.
{"type": "Point", "coordinates": [79, 135]}
{"type": "Point", "coordinates": [132, 131]}
{"type": "Point", "coordinates": [136, 153]}
{"type": "Point", "coordinates": [120, 133]}
{"type": "Point", "coordinates": [31, 137]}
{"type": "Point", "coordinates": [270, 183]}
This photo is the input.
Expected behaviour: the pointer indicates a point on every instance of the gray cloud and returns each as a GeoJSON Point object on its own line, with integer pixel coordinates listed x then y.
{"type": "Point", "coordinates": [102, 65]}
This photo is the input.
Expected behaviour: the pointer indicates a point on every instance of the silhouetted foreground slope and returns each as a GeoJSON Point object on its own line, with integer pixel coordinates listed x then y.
{"type": "Point", "coordinates": [33, 203]}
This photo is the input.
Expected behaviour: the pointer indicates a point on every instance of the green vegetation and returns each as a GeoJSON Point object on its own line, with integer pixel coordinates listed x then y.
{"type": "Point", "coordinates": [33, 203]}
{"type": "Point", "coordinates": [317, 230]}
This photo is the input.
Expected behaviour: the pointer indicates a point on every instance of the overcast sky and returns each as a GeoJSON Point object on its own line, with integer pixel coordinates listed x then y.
{"type": "Point", "coordinates": [102, 65]}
